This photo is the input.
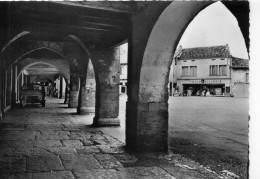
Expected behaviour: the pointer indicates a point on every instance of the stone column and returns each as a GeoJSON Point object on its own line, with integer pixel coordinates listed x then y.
{"type": "Point", "coordinates": [22, 79]}
{"type": "Point", "coordinates": [14, 85]}
{"type": "Point", "coordinates": [66, 94]}
{"type": "Point", "coordinates": [1, 89]}
{"type": "Point", "coordinates": [146, 107]}
{"type": "Point", "coordinates": [87, 91]}
{"type": "Point", "coordinates": [28, 79]}
{"type": "Point", "coordinates": [81, 100]}
{"type": "Point", "coordinates": [8, 86]}
{"type": "Point", "coordinates": [74, 89]}
{"type": "Point", "coordinates": [61, 87]}
{"type": "Point", "coordinates": [19, 86]}
{"type": "Point", "coordinates": [107, 64]}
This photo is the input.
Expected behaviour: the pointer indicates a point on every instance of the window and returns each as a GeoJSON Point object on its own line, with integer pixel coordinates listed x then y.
{"type": "Point", "coordinates": [213, 70]}
{"type": "Point", "coordinates": [223, 70]}
{"type": "Point", "coordinates": [247, 77]}
{"type": "Point", "coordinates": [193, 71]}
{"type": "Point", "coordinates": [185, 71]}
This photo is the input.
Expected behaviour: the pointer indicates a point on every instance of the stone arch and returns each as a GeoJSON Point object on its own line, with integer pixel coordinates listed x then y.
{"type": "Point", "coordinates": [18, 50]}
{"type": "Point", "coordinates": [63, 68]}
{"type": "Point", "coordinates": [91, 62]}
{"type": "Point", "coordinates": [161, 45]}
{"type": "Point", "coordinates": [152, 47]}
{"type": "Point", "coordinates": [61, 65]}
{"type": "Point", "coordinates": [88, 52]}
{"type": "Point", "coordinates": [16, 37]}
{"type": "Point", "coordinates": [37, 49]}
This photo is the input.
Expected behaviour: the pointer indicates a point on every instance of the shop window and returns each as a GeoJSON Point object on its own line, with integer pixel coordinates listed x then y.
{"type": "Point", "coordinates": [223, 70]}
{"type": "Point", "coordinates": [123, 89]}
{"type": "Point", "coordinates": [213, 70]}
{"type": "Point", "coordinates": [193, 71]}
{"type": "Point", "coordinates": [185, 71]}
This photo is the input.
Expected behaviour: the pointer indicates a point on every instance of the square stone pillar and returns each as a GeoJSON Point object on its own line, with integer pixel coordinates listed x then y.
{"type": "Point", "coordinates": [14, 85]}
{"type": "Point", "coordinates": [87, 91]}
{"type": "Point", "coordinates": [107, 64]}
{"type": "Point", "coordinates": [74, 89]}
{"type": "Point", "coordinates": [146, 112]}
{"type": "Point", "coordinates": [8, 86]}
{"type": "Point", "coordinates": [61, 87]}
{"type": "Point", "coordinates": [1, 92]}
{"type": "Point", "coordinates": [66, 97]}
{"type": "Point", "coordinates": [147, 126]}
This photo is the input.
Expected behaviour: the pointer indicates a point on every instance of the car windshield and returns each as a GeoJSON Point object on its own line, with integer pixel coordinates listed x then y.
{"type": "Point", "coordinates": [32, 87]}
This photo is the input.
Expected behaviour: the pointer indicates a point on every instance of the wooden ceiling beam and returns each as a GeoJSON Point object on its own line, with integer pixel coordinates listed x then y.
{"type": "Point", "coordinates": [71, 21]}
{"type": "Point", "coordinates": [77, 11]}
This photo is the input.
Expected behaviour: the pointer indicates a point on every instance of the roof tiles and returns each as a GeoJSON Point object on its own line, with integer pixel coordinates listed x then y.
{"type": "Point", "coordinates": [204, 52]}
{"type": "Point", "coordinates": [239, 63]}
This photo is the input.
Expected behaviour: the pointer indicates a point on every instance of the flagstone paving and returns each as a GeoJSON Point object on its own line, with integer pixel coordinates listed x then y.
{"type": "Point", "coordinates": [53, 142]}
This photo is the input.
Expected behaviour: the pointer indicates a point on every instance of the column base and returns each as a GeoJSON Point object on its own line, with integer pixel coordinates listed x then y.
{"type": "Point", "coordinates": [73, 99]}
{"type": "Point", "coordinates": [148, 143]}
{"type": "Point", "coordinates": [72, 105]}
{"type": "Point", "coordinates": [13, 99]}
{"type": "Point", "coordinates": [147, 127]}
{"type": "Point", "coordinates": [86, 110]}
{"type": "Point", "coordinates": [102, 122]}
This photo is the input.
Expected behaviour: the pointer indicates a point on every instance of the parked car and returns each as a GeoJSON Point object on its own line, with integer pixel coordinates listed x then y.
{"type": "Point", "coordinates": [32, 93]}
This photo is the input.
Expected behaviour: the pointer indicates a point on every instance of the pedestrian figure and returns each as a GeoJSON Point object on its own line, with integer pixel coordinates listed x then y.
{"type": "Point", "coordinates": [205, 92]}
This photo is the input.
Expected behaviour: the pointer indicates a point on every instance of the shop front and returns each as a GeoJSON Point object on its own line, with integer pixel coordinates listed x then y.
{"type": "Point", "coordinates": [204, 87]}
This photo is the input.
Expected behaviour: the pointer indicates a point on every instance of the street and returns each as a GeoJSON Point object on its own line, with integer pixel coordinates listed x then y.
{"type": "Point", "coordinates": [211, 130]}
{"type": "Point", "coordinates": [218, 122]}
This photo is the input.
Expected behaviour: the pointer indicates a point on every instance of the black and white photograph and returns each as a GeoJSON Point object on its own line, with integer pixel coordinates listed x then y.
{"type": "Point", "coordinates": [128, 90]}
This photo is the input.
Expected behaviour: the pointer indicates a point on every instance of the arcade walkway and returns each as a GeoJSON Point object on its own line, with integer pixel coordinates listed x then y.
{"type": "Point", "coordinates": [53, 142]}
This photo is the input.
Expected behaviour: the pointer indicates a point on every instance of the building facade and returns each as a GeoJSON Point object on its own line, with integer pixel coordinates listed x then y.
{"type": "Point", "coordinates": [123, 69]}
{"type": "Point", "coordinates": [240, 77]}
{"type": "Point", "coordinates": [208, 71]}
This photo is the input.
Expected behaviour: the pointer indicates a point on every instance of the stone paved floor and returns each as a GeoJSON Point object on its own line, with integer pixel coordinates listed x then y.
{"type": "Point", "coordinates": [53, 142]}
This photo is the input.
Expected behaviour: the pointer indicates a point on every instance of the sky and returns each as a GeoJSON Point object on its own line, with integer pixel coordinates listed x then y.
{"type": "Point", "coordinates": [215, 25]}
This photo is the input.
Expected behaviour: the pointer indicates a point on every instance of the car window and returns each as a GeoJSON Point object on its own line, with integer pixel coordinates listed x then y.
{"type": "Point", "coordinates": [32, 87]}
{"type": "Point", "coordinates": [37, 87]}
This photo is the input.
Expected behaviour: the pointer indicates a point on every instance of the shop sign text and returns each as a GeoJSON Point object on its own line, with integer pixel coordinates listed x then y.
{"type": "Point", "coordinates": [206, 81]}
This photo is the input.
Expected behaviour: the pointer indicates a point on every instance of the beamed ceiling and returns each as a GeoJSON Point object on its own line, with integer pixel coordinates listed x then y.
{"type": "Point", "coordinates": [95, 23]}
